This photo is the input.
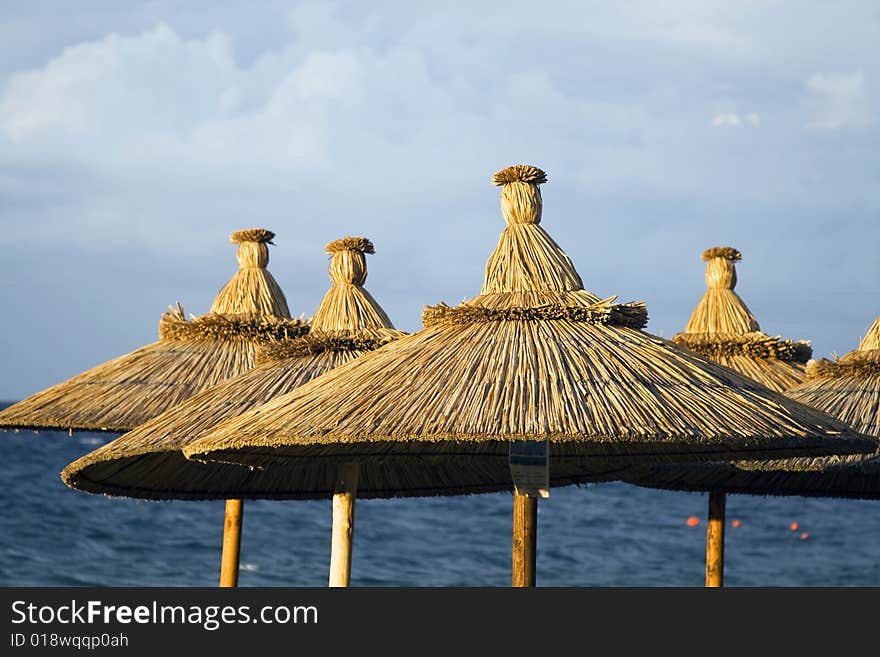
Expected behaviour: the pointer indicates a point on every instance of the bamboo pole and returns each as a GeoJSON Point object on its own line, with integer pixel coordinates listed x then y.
{"type": "Point", "coordinates": [715, 540]}
{"type": "Point", "coordinates": [231, 544]}
{"type": "Point", "coordinates": [525, 535]}
{"type": "Point", "coordinates": [343, 525]}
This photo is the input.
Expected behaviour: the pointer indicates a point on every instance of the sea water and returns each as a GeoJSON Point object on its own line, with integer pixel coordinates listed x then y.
{"type": "Point", "coordinates": [609, 534]}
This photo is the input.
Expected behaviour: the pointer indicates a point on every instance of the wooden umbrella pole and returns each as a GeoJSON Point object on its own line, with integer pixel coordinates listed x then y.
{"type": "Point", "coordinates": [715, 540]}
{"type": "Point", "coordinates": [231, 543]}
{"type": "Point", "coordinates": [343, 524]}
{"type": "Point", "coordinates": [525, 535]}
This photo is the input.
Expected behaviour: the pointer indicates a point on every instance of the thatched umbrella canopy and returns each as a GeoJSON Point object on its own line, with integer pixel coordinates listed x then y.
{"type": "Point", "coordinates": [190, 355]}
{"type": "Point", "coordinates": [147, 462]}
{"type": "Point", "coordinates": [534, 359]}
{"type": "Point", "coordinates": [848, 389]}
{"type": "Point", "coordinates": [723, 329]}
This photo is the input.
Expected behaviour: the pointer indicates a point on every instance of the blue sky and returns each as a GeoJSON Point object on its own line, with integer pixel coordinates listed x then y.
{"type": "Point", "coordinates": [134, 137]}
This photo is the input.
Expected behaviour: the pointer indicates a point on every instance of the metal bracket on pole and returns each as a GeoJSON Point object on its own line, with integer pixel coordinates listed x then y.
{"type": "Point", "coordinates": [530, 467]}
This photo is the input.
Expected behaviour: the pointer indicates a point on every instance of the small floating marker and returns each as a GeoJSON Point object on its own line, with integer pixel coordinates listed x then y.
{"type": "Point", "coordinates": [794, 526]}
{"type": "Point", "coordinates": [736, 523]}
{"type": "Point", "coordinates": [804, 536]}
{"type": "Point", "coordinates": [693, 521]}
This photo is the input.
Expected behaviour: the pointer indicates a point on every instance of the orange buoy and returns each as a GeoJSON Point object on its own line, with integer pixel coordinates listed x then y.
{"type": "Point", "coordinates": [804, 536]}
{"type": "Point", "coordinates": [736, 523]}
{"type": "Point", "coordinates": [693, 521]}
{"type": "Point", "coordinates": [793, 526]}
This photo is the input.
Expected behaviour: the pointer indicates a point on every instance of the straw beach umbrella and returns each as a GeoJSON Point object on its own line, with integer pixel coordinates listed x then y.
{"type": "Point", "coordinates": [848, 389]}
{"type": "Point", "coordinates": [723, 329]}
{"type": "Point", "coordinates": [533, 365]}
{"type": "Point", "coordinates": [190, 355]}
{"type": "Point", "coordinates": [147, 462]}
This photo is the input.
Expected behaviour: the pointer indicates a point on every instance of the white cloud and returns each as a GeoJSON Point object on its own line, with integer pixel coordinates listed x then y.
{"type": "Point", "coordinates": [160, 109]}
{"type": "Point", "coordinates": [369, 91]}
{"type": "Point", "coordinates": [351, 101]}
{"type": "Point", "coordinates": [728, 119]}
{"type": "Point", "coordinates": [92, 91]}
{"type": "Point", "coordinates": [838, 101]}
{"type": "Point", "coordinates": [734, 120]}
{"type": "Point", "coordinates": [847, 87]}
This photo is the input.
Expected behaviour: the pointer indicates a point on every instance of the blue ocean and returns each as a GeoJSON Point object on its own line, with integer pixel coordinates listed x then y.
{"type": "Point", "coordinates": [610, 534]}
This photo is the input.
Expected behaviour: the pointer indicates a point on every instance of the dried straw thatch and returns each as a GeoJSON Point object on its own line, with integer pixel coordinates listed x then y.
{"type": "Point", "coordinates": [147, 462]}
{"type": "Point", "coordinates": [849, 389]}
{"type": "Point", "coordinates": [724, 330]}
{"type": "Point", "coordinates": [436, 412]}
{"type": "Point", "coordinates": [190, 355]}
{"type": "Point", "coordinates": [252, 287]}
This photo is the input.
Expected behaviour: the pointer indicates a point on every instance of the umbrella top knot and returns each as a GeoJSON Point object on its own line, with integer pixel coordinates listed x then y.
{"type": "Point", "coordinates": [720, 267]}
{"type": "Point", "coordinates": [520, 196]}
{"type": "Point", "coordinates": [527, 260]}
{"type": "Point", "coordinates": [519, 173]}
{"type": "Point", "coordinates": [259, 235]}
{"type": "Point", "coordinates": [725, 252]}
{"type": "Point", "coordinates": [359, 244]}
{"type": "Point", "coordinates": [721, 310]}
{"type": "Point", "coordinates": [252, 249]}
{"type": "Point", "coordinates": [348, 264]}
{"type": "Point", "coordinates": [252, 290]}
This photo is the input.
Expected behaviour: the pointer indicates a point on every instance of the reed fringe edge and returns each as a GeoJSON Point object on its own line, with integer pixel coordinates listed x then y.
{"type": "Point", "coordinates": [679, 450]}
{"type": "Point", "coordinates": [519, 173]}
{"type": "Point", "coordinates": [252, 235]}
{"type": "Point", "coordinates": [852, 477]}
{"type": "Point", "coordinates": [319, 342]}
{"type": "Point", "coordinates": [630, 315]}
{"type": "Point", "coordinates": [726, 252]}
{"type": "Point", "coordinates": [855, 364]}
{"type": "Point", "coordinates": [174, 327]}
{"type": "Point", "coordinates": [359, 244]}
{"type": "Point", "coordinates": [753, 345]}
